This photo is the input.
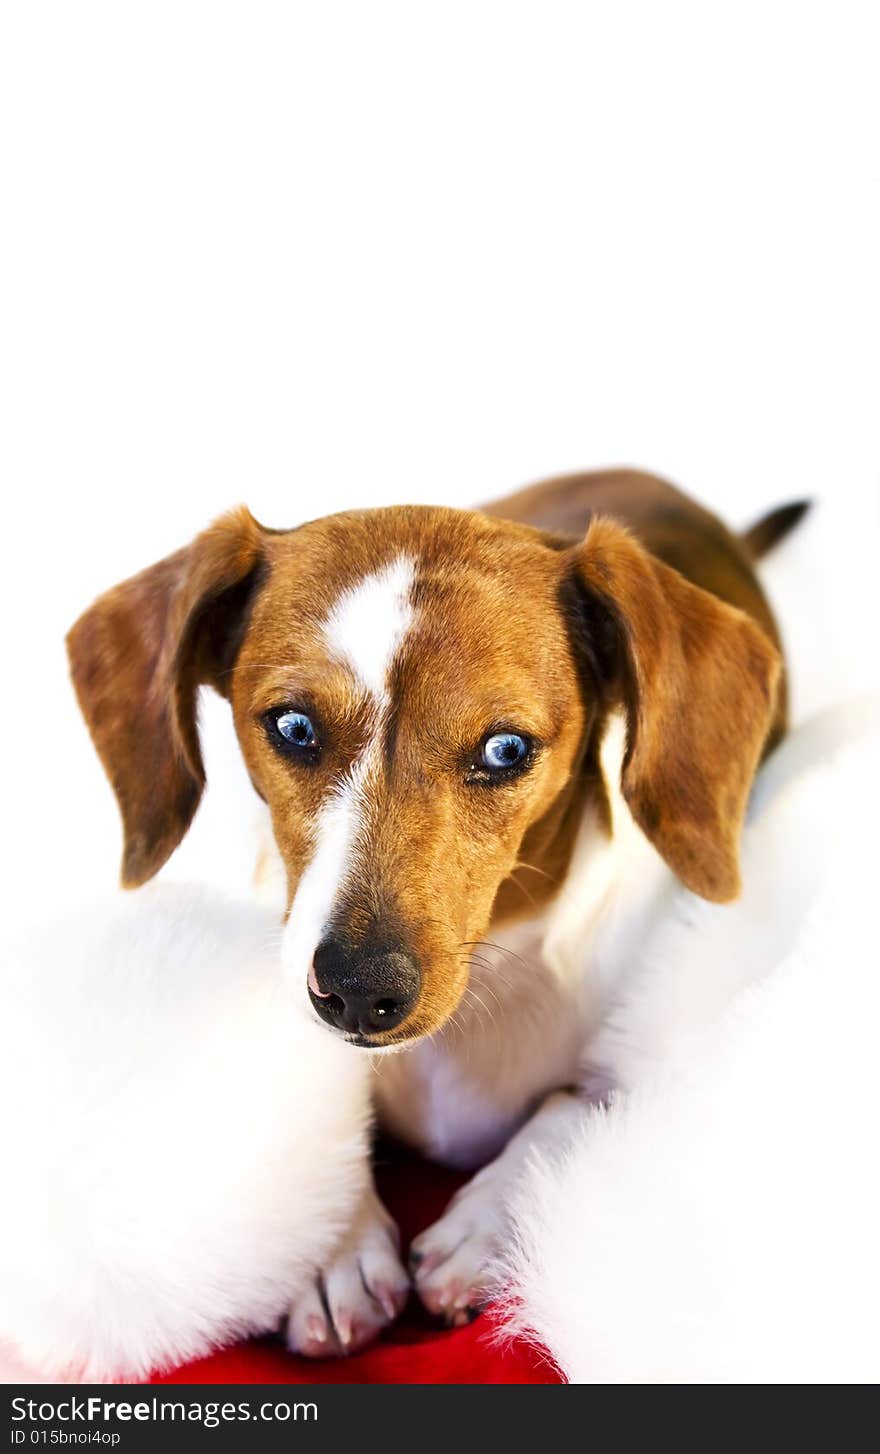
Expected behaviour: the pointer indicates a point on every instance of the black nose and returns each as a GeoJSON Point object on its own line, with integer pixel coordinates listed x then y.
{"type": "Point", "coordinates": [363, 991]}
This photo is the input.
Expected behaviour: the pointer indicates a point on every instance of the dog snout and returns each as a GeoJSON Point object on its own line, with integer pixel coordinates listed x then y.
{"type": "Point", "coordinates": [364, 991]}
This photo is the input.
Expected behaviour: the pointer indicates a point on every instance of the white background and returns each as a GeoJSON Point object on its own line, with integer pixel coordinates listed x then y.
{"type": "Point", "coordinates": [314, 256]}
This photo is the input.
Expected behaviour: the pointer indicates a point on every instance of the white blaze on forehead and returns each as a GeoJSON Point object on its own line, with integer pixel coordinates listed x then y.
{"type": "Point", "coordinates": [369, 621]}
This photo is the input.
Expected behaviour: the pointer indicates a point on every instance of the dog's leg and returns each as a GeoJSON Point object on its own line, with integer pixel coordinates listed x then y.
{"type": "Point", "coordinates": [452, 1262]}
{"type": "Point", "coordinates": [362, 1288]}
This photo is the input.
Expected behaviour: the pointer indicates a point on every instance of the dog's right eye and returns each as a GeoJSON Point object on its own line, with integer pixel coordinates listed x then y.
{"type": "Point", "coordinates": [292, 732]}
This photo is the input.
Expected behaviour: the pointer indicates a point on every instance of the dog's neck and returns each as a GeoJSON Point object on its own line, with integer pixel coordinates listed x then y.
{"type": "Point", "coordinates": [615, 880]}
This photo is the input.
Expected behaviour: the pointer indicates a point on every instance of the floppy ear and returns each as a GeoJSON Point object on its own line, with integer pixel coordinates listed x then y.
{"type": "Point", "coordinates": [137, 657]}
{"type": "Point", "coordinates": [697, 680]}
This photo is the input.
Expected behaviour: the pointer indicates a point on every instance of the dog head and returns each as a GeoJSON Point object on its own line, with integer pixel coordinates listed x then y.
{"type": "Point", "coordinates": [419, 695]}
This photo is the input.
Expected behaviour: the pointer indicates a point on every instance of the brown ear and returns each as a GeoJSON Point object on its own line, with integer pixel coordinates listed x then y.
{"type": "Point", "coordinates": [697, 680]}
{"type": "Point", "coordinates": [137, 657]}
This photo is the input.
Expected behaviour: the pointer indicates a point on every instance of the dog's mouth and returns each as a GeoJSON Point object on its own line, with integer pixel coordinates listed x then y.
{"type": "Point", "coordinates": [363, 1042]}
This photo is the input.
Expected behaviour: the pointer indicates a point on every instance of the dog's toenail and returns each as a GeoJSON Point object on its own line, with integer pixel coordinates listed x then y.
{"type": "Point", "coordinates": [386, 1301]}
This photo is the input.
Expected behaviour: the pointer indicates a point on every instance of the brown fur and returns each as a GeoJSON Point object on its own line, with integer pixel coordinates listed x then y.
{"type": "Point", "coordinates": [541, 629]}
{"type": "Point", "coordinates": [698, 681]}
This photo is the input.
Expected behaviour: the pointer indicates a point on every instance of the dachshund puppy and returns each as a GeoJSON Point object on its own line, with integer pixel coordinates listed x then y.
{"type": "Point", "coordinates": [489, 744]}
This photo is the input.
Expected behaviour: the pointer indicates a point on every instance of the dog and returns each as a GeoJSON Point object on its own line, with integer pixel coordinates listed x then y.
{"type": "Point", "coordinates": [490, 743]}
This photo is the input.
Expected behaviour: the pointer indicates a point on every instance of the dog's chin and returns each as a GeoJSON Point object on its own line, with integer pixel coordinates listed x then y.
{"type": "Point", "coordinates": [392, 1047]}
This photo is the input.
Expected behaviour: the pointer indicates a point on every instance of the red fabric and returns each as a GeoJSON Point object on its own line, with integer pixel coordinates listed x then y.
{"type": "Point", "coordinates": [416, 1349]}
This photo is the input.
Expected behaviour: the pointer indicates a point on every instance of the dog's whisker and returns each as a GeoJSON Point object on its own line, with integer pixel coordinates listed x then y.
{"type": "Point", "coordinates": [563, 892]}
{"type": "Point", "coordinates": [456, 1022]}
{"type": "Point", "coordinates": [473, 997]}
{"type": "Point", "coordinates": [489, 969]}
{"type": "Point", "coordinates": [523, 890]}
{"type": "Point", "coordinates": [533, 868]}
{"type": "Point", "coordinates": [490, 991]}
{"type": "Point", "coordinates": [500, 948]}
{"type": "Point", "coordinates": [477, 959]}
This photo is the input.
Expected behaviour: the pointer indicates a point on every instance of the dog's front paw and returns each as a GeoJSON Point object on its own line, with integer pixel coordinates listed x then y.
{"type": "Point", "coordinates": [452, 1261]}
{"type": "Point", "coordinates": [359, 1292]}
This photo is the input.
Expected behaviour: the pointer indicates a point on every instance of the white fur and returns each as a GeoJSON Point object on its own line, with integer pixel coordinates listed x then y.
{"type": "Point", "coordinates": [365, 628]}
{"type": "Point", "coordinates": [369, 621]}
{"type": "Point", "coordinates": [614, 887]}
{"type": "Point", "coordinates": [325, 875]}
{"type": "Point", "coordinates": [719, 1221]}
{"type": "Point", "coordinates": [179, 1150]}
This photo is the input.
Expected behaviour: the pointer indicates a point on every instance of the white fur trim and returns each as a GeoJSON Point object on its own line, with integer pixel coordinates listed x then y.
{"type": "Point", "coordinates": [180, 1149]}
{"type": "Point", "coordinates": [719, 1222]}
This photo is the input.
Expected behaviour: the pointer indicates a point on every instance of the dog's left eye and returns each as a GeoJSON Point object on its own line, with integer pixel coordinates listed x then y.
{"type": "Point", "coordinates": [504, 750]}
{"type": "Point", "coordinates": [292, 730]}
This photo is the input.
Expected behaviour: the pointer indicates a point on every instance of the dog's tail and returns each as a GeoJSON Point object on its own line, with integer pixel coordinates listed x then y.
{"type": "Point", "coordinates": [770, 529]}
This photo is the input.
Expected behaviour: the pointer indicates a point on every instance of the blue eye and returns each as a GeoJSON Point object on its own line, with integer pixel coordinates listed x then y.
{"type": "Point", "coordinates": [295, 728]}
{"type": "Point", "coordinates": [504, 750]}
